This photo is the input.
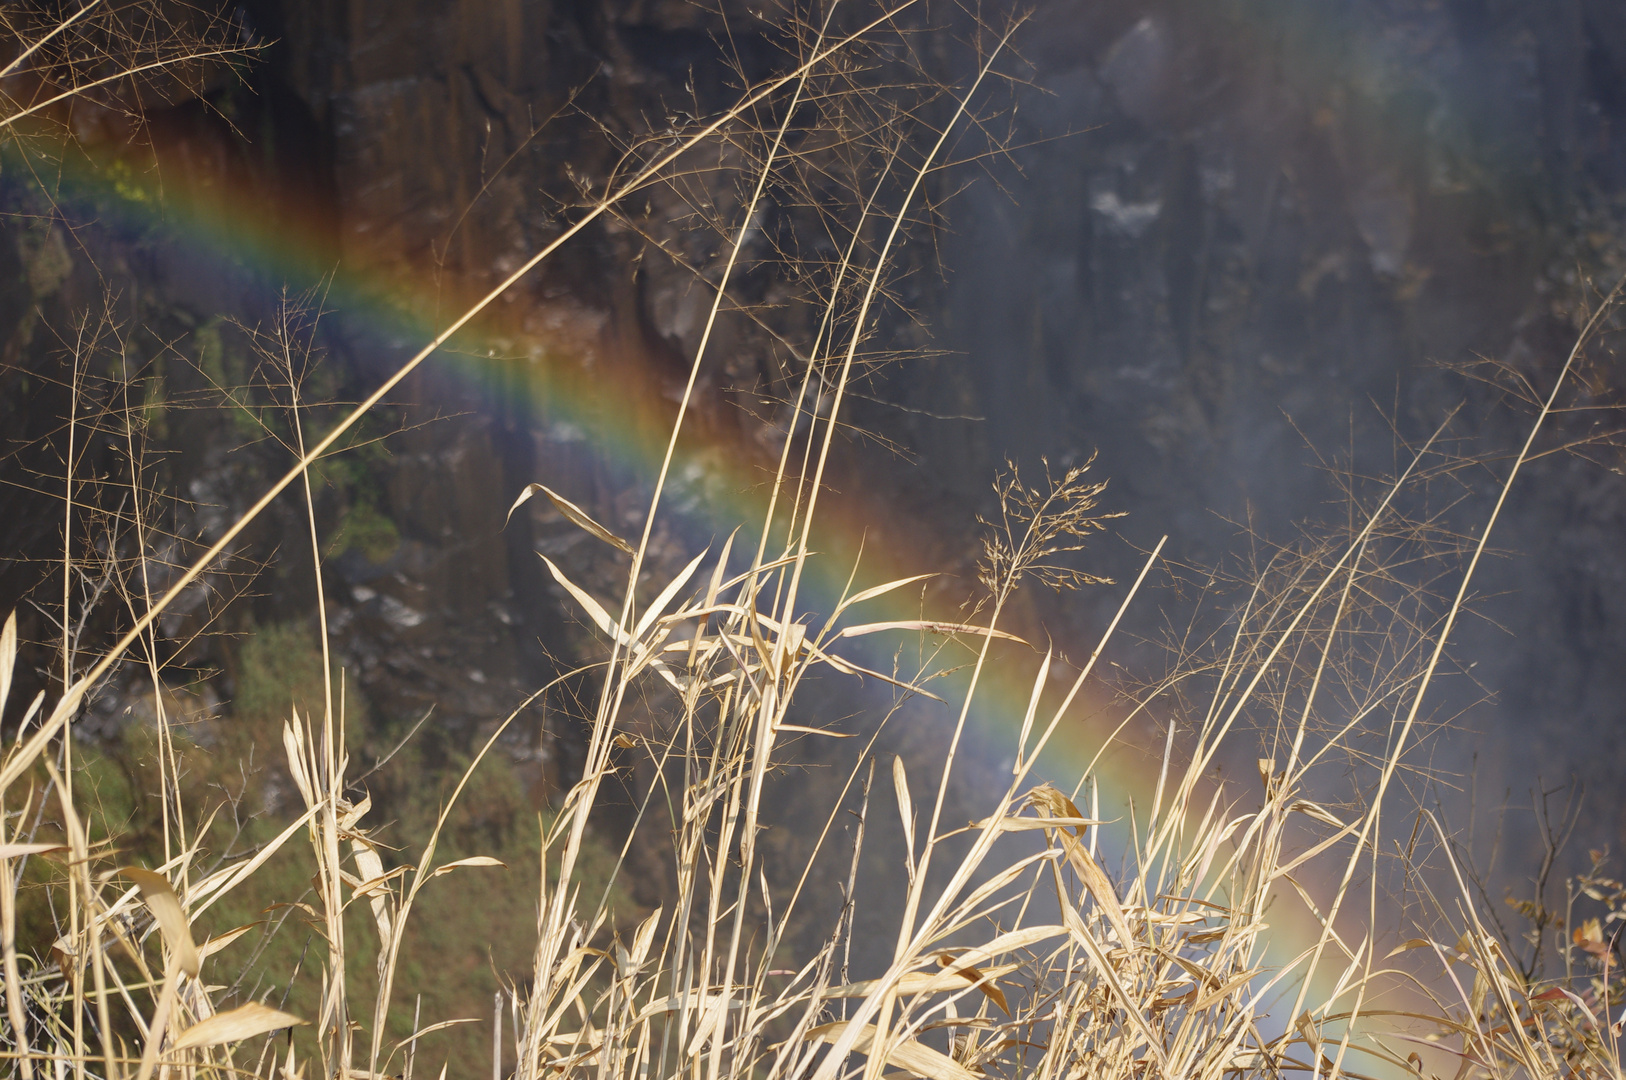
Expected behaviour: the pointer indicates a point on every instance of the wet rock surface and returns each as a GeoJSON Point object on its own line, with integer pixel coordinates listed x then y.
{"type": "Point", "coordinates": [1263, 263]}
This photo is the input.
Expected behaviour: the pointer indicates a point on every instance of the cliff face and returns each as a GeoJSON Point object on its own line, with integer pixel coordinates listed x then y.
{"type": "Point", "coordinates": [1282, 250]}
{"type": "Point", "coordinates": [400, 159]}
{"type": "Point", "coordinates": [1221, 230]}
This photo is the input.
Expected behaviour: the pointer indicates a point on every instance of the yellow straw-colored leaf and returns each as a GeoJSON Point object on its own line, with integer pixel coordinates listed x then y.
{"type": "Point", "coordinates": [847, 667]}
{"type": "Point", "coordinates": [1223, 991]}
{"type": "Point", "coordinates": [930, 627]}
{"type": "Point", "coordinates": [643, 938]}
{"type": "Point", "coordinates": [374, 884]}
{"type": "Point", "coordinates": [172, 921]}
{"type": "Point", "coordinates": [594, 609]}
{"type": "Point", "coordinates": [1056, 805]}
{"type": "Point", "coordinates": [907, 1054]}
{"type": "Point", "coordinates": [1098, 884]}
{"type": "Point", "coordinates": [220, 941]}
{"type": "Point", "coordinates": [8, 655]}
{"type": "Point", "coordinates": [235, 1025]}
{"type": "Point", "coordinates": [473, 860]}
{"type": "Point", "coordinates": [981, 980]}
{"type": "Point", "coordinates": [293, 741]}
{"type": "Point", "coordinates": [880, 590]}
{"type": "Point", "coordinates": [694, 1002]}
{"type": "Point", "coordinates": [1023, 824]}
{"type": "Point", "coordinates": [673, 587]}
{"type": "Point", "coordinates": [374, 888]}
{"type": "Point", "coordinates": [926, 982]}
{"type": "Point", "coordinates": [1318, 812]}
{"type": "Point", "coordinates": [1009, 941]}
{"type": "Point", "coordinates": [906, 809]}
{"type": "Point", "coordinates": [442, 1026]}
{"type": "Point", "coordinates": [574, 513]}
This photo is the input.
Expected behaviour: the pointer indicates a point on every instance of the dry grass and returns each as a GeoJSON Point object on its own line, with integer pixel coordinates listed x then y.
{"type": "Point", "coordinates": [1017, 949]}
{"type": "Point", "coordinates": [93, 67]}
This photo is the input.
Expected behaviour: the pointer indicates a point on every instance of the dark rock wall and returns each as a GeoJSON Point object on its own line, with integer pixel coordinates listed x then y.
{"type": "Point", "coordinates": [1276, 231]}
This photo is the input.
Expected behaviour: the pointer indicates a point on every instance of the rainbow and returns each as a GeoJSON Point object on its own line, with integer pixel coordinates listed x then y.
{"type": "Point", "coordinates": [856, 528]}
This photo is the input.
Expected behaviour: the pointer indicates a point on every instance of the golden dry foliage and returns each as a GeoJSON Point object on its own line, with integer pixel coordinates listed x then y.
{"type": "Point", "coordinates": [1040, 940]}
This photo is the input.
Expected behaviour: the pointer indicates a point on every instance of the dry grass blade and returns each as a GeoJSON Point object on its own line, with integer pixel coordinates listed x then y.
{"type": "Point", "coordinates": [907, 1054]}
{"type": "Point", "coordinates": [8, 655]}
{"type": "Point", "coordinates": [929, 627]}
{"type": "Point", "coordinates": [160, 899]}
{"type": "Point", "coordinates": [595, 611]}
{"type": "Point", "coordinates": [879, 590]}
{"type": "Point", "coordinates": [575, 514]}
{"type": "Point", "coordinates": [472, 860]}
{"type": "Point", "coordinates": [983, 981]}
{"type": "Point", "coordinates": [906, 812]}
{"type": "Point", "coordinates": [956, 978]}
{"type": "Point", "coordinates": [235, 1025]}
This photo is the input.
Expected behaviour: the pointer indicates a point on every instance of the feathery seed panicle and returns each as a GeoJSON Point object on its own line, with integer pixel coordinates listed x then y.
{"type": "Point", "coordinates": [1037, 524]}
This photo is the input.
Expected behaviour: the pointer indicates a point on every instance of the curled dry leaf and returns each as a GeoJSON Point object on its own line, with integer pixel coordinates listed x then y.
{"type": "Point", "coordinates": [432, 1028]}
{"type": "Point", "coordinates": [1054, 803]}
{"type": "Point", "coordinates": [1098, 884]}
{"type": "Point", "coordinates": [350, 813]}
{"type": "Point", "coordinates": [235, 1025]}
{"type": "Point", "coordinates": [1318, 812]}
{"type": "Point", "coordinates": [1056, 806]}
{"type": "Point", "coordinates": [293, 741]}
{"type": "Point", "coordinates": [473, 860]}
{"type": "Point", "coordinates": [570, 510]}
{"type": "Point", "coordinates": [815, 731]}
{"type": "Point", "coordinates": [172, 921]}
{"type": "Point", "coordinates": [1589, 936]}
{"type": "Point", "coordinates": [980, 979]}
